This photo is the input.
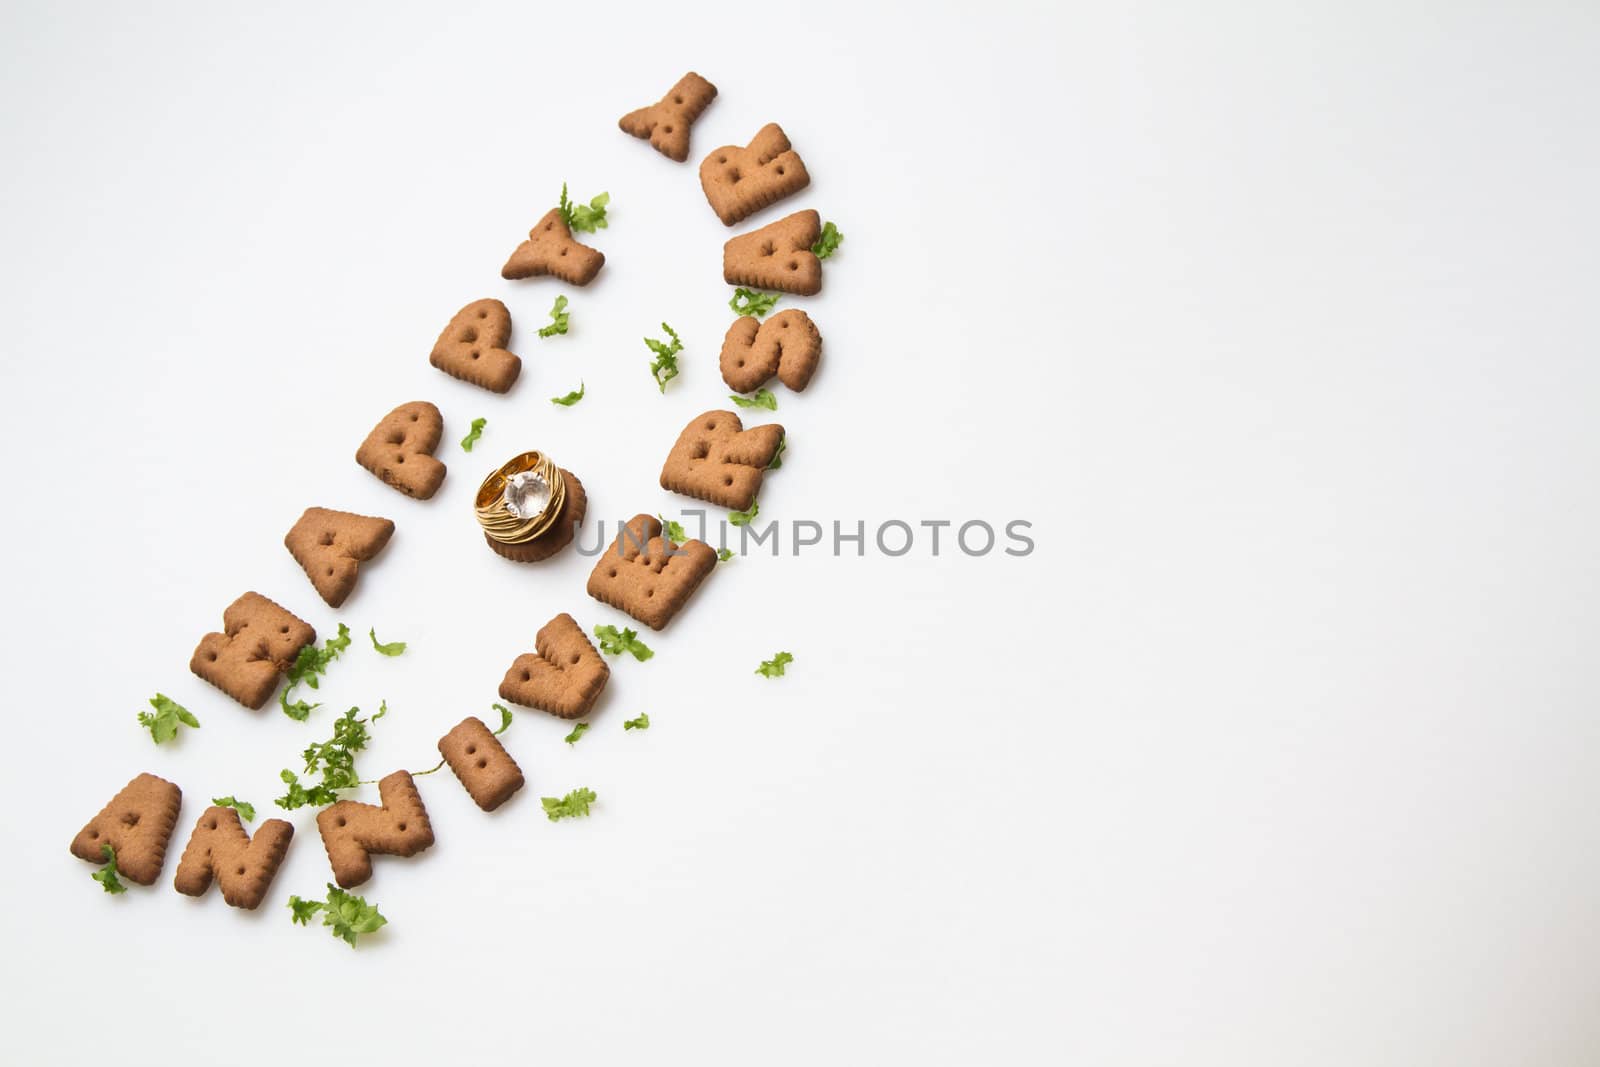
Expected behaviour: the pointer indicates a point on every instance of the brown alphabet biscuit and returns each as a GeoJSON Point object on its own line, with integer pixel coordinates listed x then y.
{"type": "Point", "coordinates": [666, 123]}
{"type": "Point", "coordinates": [741, 181]}
{"type": "Point", "coordinates": [473, 347]}
{"type": "Point", "coordinates": [137, 825]}
{"type": "Point", "coordinates": [352, 831]}
{"type": "Point", "coordinates": [399, 450]}
{"type": "Point", "coordinates": [564, 675]}
{"type": "Point", "coordinates": [258, 642]}
{"type": "Point", "coordinates": [787, 345]}
{"type": "Point", "coordinates": [646, 575]}
{"type": "Point", "coordinates": [221, 847]}
{"type": "Point", "coordinates": [482, 764]}
{"type": "Point", "coordinates": [717, 459]}
{"type": "Point", "coordinates": [551, 249]}
{"type": "Point", "coordinates": [777, 256]}
{"type": "Point", "coordinates": [332, 545]}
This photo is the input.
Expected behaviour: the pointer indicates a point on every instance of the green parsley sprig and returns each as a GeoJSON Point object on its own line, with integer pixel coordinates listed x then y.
{"type": "Point", "coordinates": [571, 806]}
{"type": "Point", "coordinates": [585, 218]}
{"type": "Point", "coordinates": [665, 366]}
{"type": "Point", "coordinates": [724, 554]}
{"type": "Point", "coordinates": [763, 398]}
{"type": "Point", "coordinates": [753, 302]}
{"type": "Point", "coordinates": [107, 875]}
{"type": "Point", "coordinates": [578, 730]}
{"type": "Point", "coordinates": [558, 319]}
{"type": "Point", "coordinates": [334, 759]}
{"type": "Point", "coordinates": [473, 434]}
{"type": "Point", "coordinates": [829, 242]}
{"type": "Point", "coordinates": [163, 723]}
{"type": "Point", "coordinates": [777, 456]}
{"type": "Point", "coordinates": [246, 810]}
{"type": "Point", "coordinates": [349, 916]}
{"type": "Point", "coordinates": [571, 398]}
{"type": "Point", "coordinates": [745, 518]}
{"type": "Point", "coordinates": [392, 648]}
{"type": "Point", "coordinates": [614, 642]}
{"type": "Point", "coordinates": [672, 530]}
{"type": "Point", "coordinates": [641, 723]}
{"type": "Point", "coordinates": [773, 668]}
{"type": "Point", "coordinates": [308, 667]}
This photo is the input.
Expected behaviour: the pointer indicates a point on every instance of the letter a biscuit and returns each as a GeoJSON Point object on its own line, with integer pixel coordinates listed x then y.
{"type": "Point", "coordinates": [777, 256]}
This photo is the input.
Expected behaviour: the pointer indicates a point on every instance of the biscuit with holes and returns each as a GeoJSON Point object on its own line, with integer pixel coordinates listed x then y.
{"type": "Point", "coordinates": [332, 545]}
{"type": "Point", "coordinates": [646, 575]}
{"type": "Point", "coordinates": [137, 824]}
{"type": "Point", "coordinates": [399, 450]}
{"type": "Point", "coordinates": [788, 345]}
{"type": "Point", "coordinates": [551, 249]}
{"type": "Point", "coordinates": [739, 182]}
{"type": "Point", "coordinates": [564, 675]}
{"type": "Point", "coordinates": [221, 848]}
{"type": "Point", "coordinates": [559, 536]}
{"type": "Point", "coordinates": [717, 459]}
{"type": "Point", "coordinates": [473, 347]}
{"type": "Point", "coordinates": [666, 123]}
{"type": "Point", "coordinates": [777, 256]}
{"type": "Point", "coordinates": [258, 642]}
{"type": "Point", "coordinates": [485, 769]}
{"type": "Point", "coordinates": [353, 831]}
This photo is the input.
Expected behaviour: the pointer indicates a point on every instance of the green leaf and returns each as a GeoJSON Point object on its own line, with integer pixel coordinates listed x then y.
{"type": "Point", "coordinates": [665, 367]}
{"type": "Point", "coordinates": [753, 302]}
{"type": "Point", "coordinates": [505, 717]}
{"type": "Point", "coordinates": [571, 806]}
{"type": "Point", "coordinates": [163, 723]}
{"type": "Point", "coordinates": [303, 910]}
{"type": "Point", "coordinates": [334, 759]}
{"type": "Point", "coordinates": [673, 530]}
{"type": "Point", "coordinates": [107, 875]}
{"type": "Point", "coordinates": [641, 723]}
{"type": "Point", "coordinates": [347, 915]}
{"type": "Point", "coordinates": [383, 709]}
{"type": "Point", "coordinates": [587, 218]}
{"type": "Point", "coordinates": [744, 518]}
{"type": "Point", "coordinates": [724, 555]}
{"type": "Point", "coordinates": [472, 435]}
{"type": "Point", "coordinates": [570, 399]}
{"type": "Point", "coordinates": [578, 731]}
{"type": "Point", "coordinates": [558, 319]}
{"type": "Point", "coordinates": [615, 643]}
{"type": "Point", "coordinates": [246, 810]}
{"type": "Point", "coordinates": [308, 667]}
{"type": "Point", "coordinates": [393, 648]}
{"type": "Point", "coordinates": [777, 457]}
{"type": "Point", "coordinates": [350, 915]}
{"type": "Point", "coordinates": [763, 398]}
{"type": "Point", "coordinates": [829, 242]}
{"type": "Point", "coordinates": [773, 668]}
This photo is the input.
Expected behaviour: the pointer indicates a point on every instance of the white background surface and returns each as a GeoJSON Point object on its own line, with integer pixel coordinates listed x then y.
{"type": "Point", "coordinates": [1278, 325]}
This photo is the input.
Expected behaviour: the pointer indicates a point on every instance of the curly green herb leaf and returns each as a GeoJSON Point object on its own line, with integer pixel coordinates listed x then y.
{"type": "Point", "coordinates": [641, 723]}
{"type": "Point", "coordinates": [829, 242]}
{"type": "Point", "coordinates": [753, 302]}
{"type": "Point", "coordinates": [744, 518]}
{"type": "Point", "coordinates": [570, 399]}
{"type": "Point", "coordinates": [763, 398]}
{"type": "Point", "coordinates": [665, 366]}
{"type": "Point", "coordinates": [571, 806]}
{"type": "Point", "coordinates": [107, 875]}
{"type": "Point", "coordinates": [246, 810]}
{"type": "Point", "coordinates": [163, 723]}
{"type": "Point", "coordinates": [558, 319]}
{"type": "Point", "coordinates": [578, 730]}
{"type": "Point", "coordinates": [473, 434]}
{"type": "Point", "coordinates": [773, 668]}
{"type": "Point", "coordinates": [392, 648]}
{"type": "Point", "coordinates": [614, 642]}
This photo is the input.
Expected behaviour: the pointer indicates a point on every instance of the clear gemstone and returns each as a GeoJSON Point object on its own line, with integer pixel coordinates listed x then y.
{"type": "Point", "coordinates": [527, 494]}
